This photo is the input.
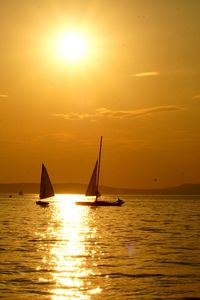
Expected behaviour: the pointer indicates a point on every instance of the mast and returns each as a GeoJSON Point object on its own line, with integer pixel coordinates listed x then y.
{"type": "Point", "coordinates": [42, 182]}
{"type": "Point", "coordinates": [99, 161]}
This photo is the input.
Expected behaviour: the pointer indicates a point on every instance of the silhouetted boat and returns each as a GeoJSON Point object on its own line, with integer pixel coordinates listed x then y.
{"type": "Point", "coordinates": [93, 187]}
{"type": "Point", "coordinates": [46, 187]}
{"type": "Point", "coordinates": [20, 193]}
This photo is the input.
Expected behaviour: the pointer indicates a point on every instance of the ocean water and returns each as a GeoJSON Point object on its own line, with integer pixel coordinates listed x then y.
{"type": "Point", "coordinates": [147, 249]}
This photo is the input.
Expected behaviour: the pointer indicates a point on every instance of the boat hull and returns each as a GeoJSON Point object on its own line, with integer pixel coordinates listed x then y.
{"type": "Point", "coordinates": [100, 203]}
{"type": "Point", "coordinates": [42, 203]}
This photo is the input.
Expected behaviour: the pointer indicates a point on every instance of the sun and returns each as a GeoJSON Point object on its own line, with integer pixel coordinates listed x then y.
{"type": "Point", "coordinates": [72, 46]}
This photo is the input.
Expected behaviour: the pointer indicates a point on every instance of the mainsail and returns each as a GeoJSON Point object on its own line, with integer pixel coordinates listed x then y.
{"type": "Point", "coordinates": [92, 189]}
{"type": "Point", "coordinates": [93, 186]}
{"type": "Point", "coordinates": [46, 188]}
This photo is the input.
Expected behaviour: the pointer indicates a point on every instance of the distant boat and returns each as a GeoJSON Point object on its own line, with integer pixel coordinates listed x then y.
{"type": "Point", "coordinates": [93, 187]}
{"type": "Point", "coordinates": [46, 187]}
{"type": "Point", "coordinates": [20, 192]}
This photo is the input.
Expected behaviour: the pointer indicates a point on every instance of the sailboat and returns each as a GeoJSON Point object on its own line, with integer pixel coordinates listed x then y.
{"type": "Point", "coordinates": [46, 187]}
{"type": "Point", "coordinates": [93, 187]}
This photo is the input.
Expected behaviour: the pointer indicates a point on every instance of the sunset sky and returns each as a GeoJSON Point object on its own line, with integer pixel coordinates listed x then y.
{"type": "Point", "coordinates": [136, 83]}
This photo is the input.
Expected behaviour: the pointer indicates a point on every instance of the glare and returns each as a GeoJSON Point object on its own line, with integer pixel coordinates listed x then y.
{"type": "Point", "coordinates": [69, 253]}
{"type": "Point", "coordinates": [72, 46]}
{"type": "Point", "coordinates": [67, 236]}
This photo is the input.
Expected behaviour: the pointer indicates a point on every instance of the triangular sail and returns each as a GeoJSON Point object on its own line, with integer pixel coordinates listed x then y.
{"type": "Point", "coordinates": [46, 188]}
{"type": "Point", "coordinates": [92, 189]}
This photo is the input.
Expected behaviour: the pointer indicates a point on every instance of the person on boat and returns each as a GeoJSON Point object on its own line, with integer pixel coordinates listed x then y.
{"type": "Point", "coordinates": [98, 195]}
{"type": "Point", "coordinates": [120, 200]}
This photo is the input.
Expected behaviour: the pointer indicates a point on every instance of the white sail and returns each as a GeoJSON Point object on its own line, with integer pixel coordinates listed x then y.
{"type": "Point", "coordinates": [92, 189]}
{"type": "Point", "coordinates": [46, 188]}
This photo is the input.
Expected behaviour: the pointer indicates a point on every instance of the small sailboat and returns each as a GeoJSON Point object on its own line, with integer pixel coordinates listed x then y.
{"type": "Point", "coordinates": [20, 193]}
{"type": "Point", "coordinates": [93, 187]}
{"type": "Point", "coordinates": [46, 187]}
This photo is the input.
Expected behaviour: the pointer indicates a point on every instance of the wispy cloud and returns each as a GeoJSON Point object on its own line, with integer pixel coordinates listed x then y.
{"type": "Point", "coordinates": [75, 116]}
{"type": "Point", "coordinates": [3, 96]}
{"type": "Point", "coordinates": [196, 96]}
{"type": "Point", "coordinates": [119, 114]}
{"type": "Point", "coordinates": [175, 72]}
{"type": "Point", "coordinates": [124, 114]}
{"type": "Point", "coordinates": [145, 74]}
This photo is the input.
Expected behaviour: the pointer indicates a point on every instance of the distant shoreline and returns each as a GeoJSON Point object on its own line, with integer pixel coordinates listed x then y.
{"type": "Point", "coordinates": [79, 188]}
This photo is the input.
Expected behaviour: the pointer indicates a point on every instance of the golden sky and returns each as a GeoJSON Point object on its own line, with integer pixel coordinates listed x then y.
{"type": "Point", "coordinates": [137, 86]}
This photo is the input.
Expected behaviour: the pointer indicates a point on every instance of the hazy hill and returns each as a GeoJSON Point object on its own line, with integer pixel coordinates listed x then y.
{"type": "Point", "coordinates": [79, 188]}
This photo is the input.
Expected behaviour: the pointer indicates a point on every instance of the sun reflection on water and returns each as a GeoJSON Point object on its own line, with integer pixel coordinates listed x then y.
{"type": "Point", "coordinates": [70, 270]}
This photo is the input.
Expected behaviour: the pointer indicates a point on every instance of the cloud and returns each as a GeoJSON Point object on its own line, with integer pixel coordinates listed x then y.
{"type": "Point", "coordinates": [145, 74]}
{"type": "Point", "coordinates": [74, 116]}
{"type": "Point", "coordinates": [124, 114]}
{"type": "Point", "coordinates": [196, 96]}
{"type": "Point", "coordinates": [3, 96]}
{"type": "Point", "coordinates": [119, 114]}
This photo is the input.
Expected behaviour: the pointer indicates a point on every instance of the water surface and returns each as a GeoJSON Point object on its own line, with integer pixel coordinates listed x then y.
{"type": "Point", "coordinates": [147, 249]}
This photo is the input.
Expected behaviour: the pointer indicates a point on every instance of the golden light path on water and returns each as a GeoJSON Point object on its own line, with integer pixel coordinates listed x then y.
{"type": "Point", "coordinates": [69, 253]}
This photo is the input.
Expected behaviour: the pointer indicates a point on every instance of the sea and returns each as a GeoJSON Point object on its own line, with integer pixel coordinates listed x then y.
{"type": "Point", "coordinates": [149, 248]}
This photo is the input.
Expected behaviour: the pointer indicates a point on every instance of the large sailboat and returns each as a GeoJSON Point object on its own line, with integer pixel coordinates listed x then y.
{"type": "Point", "coordinates": [93, 187]}
{"type": "Point", "coordinates": [46, 187]}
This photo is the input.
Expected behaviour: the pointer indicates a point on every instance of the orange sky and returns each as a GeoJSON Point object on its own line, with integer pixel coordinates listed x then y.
{"type": "Point", "coordinates": [139, 89]}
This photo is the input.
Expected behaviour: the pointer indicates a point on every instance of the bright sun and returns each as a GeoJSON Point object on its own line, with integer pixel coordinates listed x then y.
{"type": "Point", "coordinates": [72, 47]}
